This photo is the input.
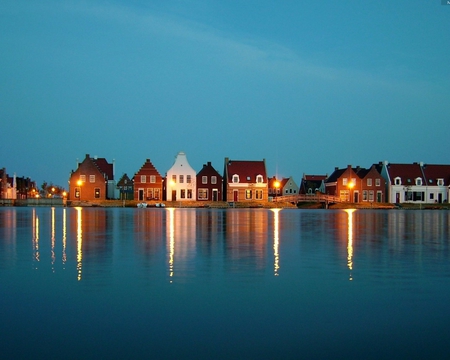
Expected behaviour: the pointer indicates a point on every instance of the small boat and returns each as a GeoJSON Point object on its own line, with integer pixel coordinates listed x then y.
{"type": "Point", "coordinates": [142, 205]}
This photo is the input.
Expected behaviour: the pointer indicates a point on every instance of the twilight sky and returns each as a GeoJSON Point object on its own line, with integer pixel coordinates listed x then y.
{"type": "Point", "coordinates": [307, 85]}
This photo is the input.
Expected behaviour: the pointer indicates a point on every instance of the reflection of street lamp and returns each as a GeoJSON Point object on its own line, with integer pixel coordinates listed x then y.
{"type": "Point", "coordinates": [79, 183]}
{"type": "Point", "coordinates": [277, 186]}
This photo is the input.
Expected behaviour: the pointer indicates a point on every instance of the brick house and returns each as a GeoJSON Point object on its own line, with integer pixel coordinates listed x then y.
{"type": "Point", "coordinates": [209, 184]}
{"type": "Point", "coordinates": [92, 180]}
{"type": "Point", "coordinates": [245, 180]}
{"type": "Point", "coordinates": [148, 183]}
{"type": "Point", "coordinates": [285, 186]}
{"type": "Point", "coordinates": [357, 184]}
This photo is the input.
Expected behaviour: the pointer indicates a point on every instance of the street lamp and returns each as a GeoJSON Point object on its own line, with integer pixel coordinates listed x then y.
{"type": "Point", "coordinates": [79, 183]}
{"type": "Point", "coordinates": [350, 187]}
{"type": "Point", "coordinates": [277, 186]}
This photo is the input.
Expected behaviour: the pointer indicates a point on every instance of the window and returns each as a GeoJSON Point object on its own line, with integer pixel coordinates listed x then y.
{"type": "Point", "coordinates": [377, 182]}
{"type": "Point", "coordinates": [440, 182]}
{"type": "Point", "coordinates": [248, 194]}
{"type": "Point", "coordinates": [83, 178]}
{"type": "Point", "coordinates": [213, 179]}
{"type": "Point", "coordinates": [181, 179]}
{"type": "Point", "coordinates": [344, 181]}
{"type": "Point", "coordinates": [398, 181]}
{"type": "Point", "coordinates": [235, 179]}
{"type": "Point", "coordinates": [77, 193]}
{"type": "Point", "coordinates": [174, 179]}
{"type": "Point", "coordinates": [203, 194]}
{"type": "Point", "coordinates": [259, 194]}
{"type": "Point", "coordinates": [259, 179]}
{"type": "Point", "coordinates": [418, 181]}
{"type": "Point", "coordinates": [143, 179]}
{"type": "Point", "coordinates": [92, 178]}
{"type": "Point", "coordinates": [369, 182]}
{"type": "Point", "coordinates": [248, 178]}
{"type": "Point", "coordinates": [188, 179]}
{"type": "Point", "coordinates": [149, 193]}
{"type": "Point", "coordinates": [370, 195]}
{"type": "Point", "coordinates": [379, 196]}
{"type": "Point", "coordinates": [97, 193]}
{"type": "Point", "coordinates": [156, 194]}
{"type": "Point", "coordinates": [364, 195]}
{"type": "Point", "coordinates": [189, 193]}
{"type": "Point", "coordinates": [431, 196]}
{"type": "Point", "coordinates": [152, 179]}
{"type": "Point", "coordinates": [204, 179]}
{"type": "Point", "coordinates": [183, 194]}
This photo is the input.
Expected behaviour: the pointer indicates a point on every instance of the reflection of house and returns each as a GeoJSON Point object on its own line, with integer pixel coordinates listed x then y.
{"type": "Point", "coordinates": [209, 184]}
{"type": "Point", "coordinates": [148, 183]}
{"type": "Point", "coordinates": [92, 180]}
{"type": "Point", "coordinates": [285, 186]}
{"type": "Point", "coordinates": [356, 184]}
{"type": "Point", "coordinates": [180, 180]}
{"type": "Point", "coordinates": [416, 182]}
{"type": "Point", "coordinates": [312, 183]}
{"type": "Point", "coordinates": [126, 188]}
{"type": "Point", "coordinates": [245, 180]}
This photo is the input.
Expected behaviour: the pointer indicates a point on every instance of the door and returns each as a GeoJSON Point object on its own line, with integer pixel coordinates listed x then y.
{"type": "Point", "coordinates": [215, 195]}
{"type": "Point", "coordinates": [356, 196]}
{"type": "Point", "coordinates": [141, 194]}
{"type": "Point", "coordinates": [440, 198]}
{"type": "Point", "coordinates": [235, 195]}
{"type": "Point", "coordinates": [397, 198]}
{"type": "Point", "coordinates": [174, 195]}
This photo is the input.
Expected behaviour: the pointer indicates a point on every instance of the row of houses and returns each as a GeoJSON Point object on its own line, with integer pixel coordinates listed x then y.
{"type": "Point", "coordinates": [244, 180]}
{"type": "Point", "coordinates": [14, 187]}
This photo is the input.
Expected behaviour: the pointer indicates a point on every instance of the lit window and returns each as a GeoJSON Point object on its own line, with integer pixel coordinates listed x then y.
{"type": "Point", "coordinates": [143, 179]}
{"type": "Point", "coordinates": [204, 179]}
{"type": "Point", "coordinates": [83, 178]}
{"type": "Point", "coordinates": [259, 179]}
{"type": "Point", "coordinates": [203, 194]}
{"type": "Point", "coordinates": [344, 181]}
{"type": "Point", "coordinates": [97, 193]}
{"type": "Point", "coordinates": [92, 178]}
{"type": "Point", "coordinates": [248, 194]}
{"type": "Point", "coordinates": [174, 179]}
{"type": "Point", "coordinates": [188, 179]}
{"type": "Point", "coordinates": [259, 194]}
{"type": "Point", "coordinates": [77, 193]}
{"type": "Point", "coordinates": [149, 193]}
{"type": "Point", "coordinates": [183, 194]}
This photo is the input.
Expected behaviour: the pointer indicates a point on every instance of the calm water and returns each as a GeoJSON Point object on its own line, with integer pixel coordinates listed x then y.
{"type": "Point", "coordinates": [209, 284]}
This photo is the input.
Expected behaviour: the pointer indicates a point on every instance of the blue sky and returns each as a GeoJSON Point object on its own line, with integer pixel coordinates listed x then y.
{"type": "Point", "coordinates": [307, 85]}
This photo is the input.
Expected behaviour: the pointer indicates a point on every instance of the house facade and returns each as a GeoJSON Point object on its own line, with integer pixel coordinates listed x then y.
{"type": "Point", "coordinates": [416, 182]}
{"type": "Point", "coordinates": [148, 183]}
{"type": "Point", "coordinates": [181, 180]}
{"type": "Point", "coordinates": [311, 184]}
{"type": "Point", "coordinates": [245, 180]}
{"type": "Point", "coordinates": [126, 188]}
{"type": "Point", "coordinates": [357, 184]}
{"type": "Point", "coordinates": [285, 186]}
{"type": "Point", "coordinates": [92, 180]}
{"type": "Point", "coordinates": [209, 184]}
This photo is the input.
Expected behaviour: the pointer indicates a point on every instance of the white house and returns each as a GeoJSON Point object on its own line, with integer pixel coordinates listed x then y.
{"type": "Point", "coordinates": [181, 180]}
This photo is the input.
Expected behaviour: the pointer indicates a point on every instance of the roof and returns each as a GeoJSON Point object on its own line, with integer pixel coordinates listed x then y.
{"type": "Point", "coordinates": [246, 169]}
{"type": "Point", "coordinates": [406, 172]}
{"type": "Point", "coordinates": [105, 167]}
{"type": "Point", "coordinates": [433, 172]}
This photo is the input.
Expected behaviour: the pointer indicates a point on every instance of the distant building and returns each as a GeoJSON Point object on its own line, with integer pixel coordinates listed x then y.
{"type": "Point", "coordinates": [92, 180]}
{"type": "Point", "coordinates": [209, 184]}
{"type": "Point", "coordinates": [126, 188]}
{"type": "Point", "coordinates": [285, 186]}
{"type": "Point", "coordinates": [181, 180]}
{"type": "Point", "coordinates": [311, 184]}
{"type": "Point", "coordinates": [245, 180]}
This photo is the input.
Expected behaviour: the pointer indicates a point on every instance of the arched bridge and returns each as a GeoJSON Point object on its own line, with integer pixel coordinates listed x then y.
{"type": "Point", "coordinates": [322, 198]}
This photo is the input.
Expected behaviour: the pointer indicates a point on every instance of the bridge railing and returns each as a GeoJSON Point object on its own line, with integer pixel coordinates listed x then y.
{"type": "Point", "coordinates": [309, 198]}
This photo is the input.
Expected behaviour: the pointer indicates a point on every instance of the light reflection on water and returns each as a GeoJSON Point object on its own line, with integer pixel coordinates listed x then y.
{"type": "Point", "coordinates": [245, 283]}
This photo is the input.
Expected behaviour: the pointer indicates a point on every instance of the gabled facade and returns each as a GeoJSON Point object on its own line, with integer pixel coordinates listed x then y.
{"type": "Point", "coordinates": [148, 183]}
{"type": "Point", "coordinates": [8, 186]}
{"type": "Point", "coordinates": [372, 185]}
{"type": "Point", "coordinates": [209, 184]}
{"type": "Point", "coordinates": [92, 180]}
{"type": "Point", "coordinates": [245, 180]}
{"type": "Point", "coordinates": [181, 180]}
{"type": "Point", "coordinates": [274, 187]}
{"type": "Point", "coordinates": [126, 188]}
{"type": "Point", "coordinates": [416, 182]}
{"type": "Point", "coordinates": [341, 183]}
{"type": "Point", "coordinates": [285, 186]}
{"type": "Point", "coordinates": [311, 184]}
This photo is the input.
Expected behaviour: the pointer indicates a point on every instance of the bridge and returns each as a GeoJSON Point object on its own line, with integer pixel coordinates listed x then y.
{"type": "Point", "coordinates": [322, 198]}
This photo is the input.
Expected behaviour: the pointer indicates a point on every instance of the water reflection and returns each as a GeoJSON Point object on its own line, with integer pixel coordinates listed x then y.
{"type": "Point", "coordinates": [79, 242]}
{"type": "Point", "coordinates": [350, 241]}
{"type": "Point", "coordinates": [276, 242]}
{"type": "Point", "coordinates": [35, 239]}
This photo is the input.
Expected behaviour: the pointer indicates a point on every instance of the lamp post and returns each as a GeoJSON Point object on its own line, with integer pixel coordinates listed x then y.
{"type": "Point", "coordinates": [79, 183]}
{"type": "Point", "coordinates": [277, 186]}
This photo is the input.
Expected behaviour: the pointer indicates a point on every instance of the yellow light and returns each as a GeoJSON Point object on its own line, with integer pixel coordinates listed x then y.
{"type": "Point", "coordinates": [79, 183]}
{"type": "Point", "coordinates": [351, 185]}
{"type": "Point", "coordinates": [277, 184]}
{"type": "Point", "coordinates": [64, 194]}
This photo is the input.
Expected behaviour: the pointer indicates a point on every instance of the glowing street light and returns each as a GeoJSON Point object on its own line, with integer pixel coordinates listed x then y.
{"type": "Point", "coordinates": [350, 185]}
{"type": "Point", "coordinates": [79, 183]}
{"type": "Point", "coordinates": [277, 186]}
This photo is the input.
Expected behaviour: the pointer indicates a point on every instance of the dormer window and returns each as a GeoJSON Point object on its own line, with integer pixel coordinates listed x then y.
{"type": "Point", "coordinates": [235, 179]}
{"type": "Point", "coordinates": [259, 179]}
{"type": "Point", "coordinates": [248, 178]}
{"type": "Point", "coordinates": [440, 182]}
{"type": "Point", "coordinates": [418, 181]}
{"type": "Point", "coordinates": [398, 181]}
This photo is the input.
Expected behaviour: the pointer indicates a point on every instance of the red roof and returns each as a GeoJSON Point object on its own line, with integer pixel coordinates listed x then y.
{"type": "Point", "coordinates": [434, 172]}
{"type": "Point", "coordinates": [105, 167]}
{"type": "Point", "coordinates": [247, 170]}
{"type": "Point", "coordinates": [406, 172]}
